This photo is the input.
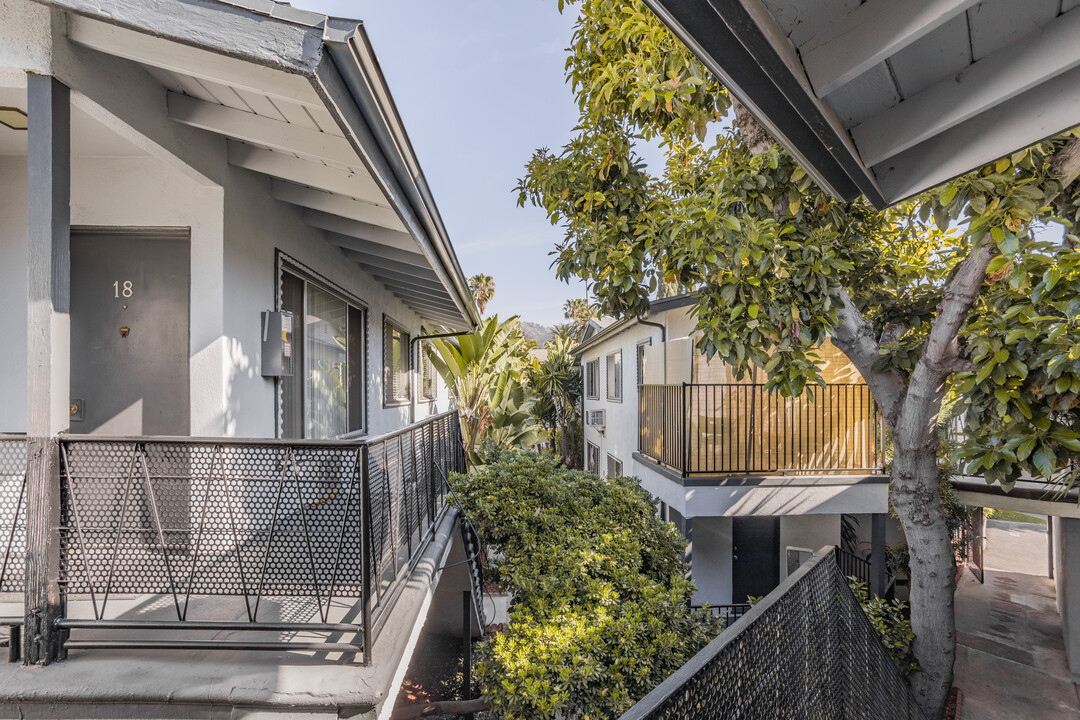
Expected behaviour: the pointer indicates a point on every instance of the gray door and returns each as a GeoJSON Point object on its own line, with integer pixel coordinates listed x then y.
{"type": "Point", "coordinates": [130, 295]}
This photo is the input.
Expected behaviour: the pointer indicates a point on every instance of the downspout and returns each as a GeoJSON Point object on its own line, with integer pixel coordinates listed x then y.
{"type": "Point", "coordinates": [415, 344]}
{"type": "Point", "coordinates": [663, 340]}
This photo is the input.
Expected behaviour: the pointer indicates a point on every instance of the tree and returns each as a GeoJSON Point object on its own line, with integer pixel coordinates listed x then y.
{"type": "Point", "coordinates": [483, 289]}
{"type": "Point", "coordinates": [484, 372]}
{"type": "Point", "coordinates": [950, 291]}
{"type": "Point", "coordinates": [579, 311]}
{"type": "Point", "coordinates": [556, 382]}
{"type": "Point", "coordinates": [566, 331]}
{"type": "Point", "coordinates": [601, 606]}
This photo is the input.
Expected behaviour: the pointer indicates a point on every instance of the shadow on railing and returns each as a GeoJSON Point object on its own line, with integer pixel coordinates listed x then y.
{"type": "Point", "coordinates": [228, 536]}
{"type": "Point", "coordinates": [805, 650]}
{"type": "Point", "coordinates": [745, 428]}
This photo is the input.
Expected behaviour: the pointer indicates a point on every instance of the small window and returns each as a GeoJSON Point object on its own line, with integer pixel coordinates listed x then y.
{"type": "Point", "coordinates": [428, 391]}
{"type": "Point", "coordinates": [614, 467]}
{"type": "Point", "coordinates": [641, 360]}
{"type": "Point", "coordinates": [592, 379]}
{"type": "Point", "coordinates": [592, 459]}
{"type": "Point", "coordinates": [614, 376]}
{"type": "Point", "coordinates": [395, 364]}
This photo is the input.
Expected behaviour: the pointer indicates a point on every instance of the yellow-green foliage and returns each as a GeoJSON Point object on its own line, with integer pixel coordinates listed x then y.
{"type": "Point", "coordinates": [600, 613]}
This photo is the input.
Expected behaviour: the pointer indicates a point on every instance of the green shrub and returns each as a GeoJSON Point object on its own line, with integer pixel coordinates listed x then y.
{"type": "Point", "coordinates": [889, 618]}
{"type": "Point", "coordinates": [600, 613]}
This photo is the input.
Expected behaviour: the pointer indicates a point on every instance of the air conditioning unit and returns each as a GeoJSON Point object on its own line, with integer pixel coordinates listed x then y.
{"type": "Point", "coordinates": [597, 419]}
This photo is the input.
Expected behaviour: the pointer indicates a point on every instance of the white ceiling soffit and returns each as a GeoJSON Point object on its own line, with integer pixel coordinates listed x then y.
{"type": "Point", "coordinates": [279, 125]}
{"type": "Point", "coordinates": [897, 77]}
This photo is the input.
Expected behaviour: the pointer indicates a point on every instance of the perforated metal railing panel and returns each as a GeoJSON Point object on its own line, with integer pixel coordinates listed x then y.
{"type": "Point", "coordinates": [12, 512]}
{"type": "Point", "coordinates": [206, 518]}
{"type": "Point", "coordinates": [806, 651]}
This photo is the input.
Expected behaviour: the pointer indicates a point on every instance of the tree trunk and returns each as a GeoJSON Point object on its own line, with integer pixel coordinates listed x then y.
{"type": "Point", "coordinates": [917, 501]}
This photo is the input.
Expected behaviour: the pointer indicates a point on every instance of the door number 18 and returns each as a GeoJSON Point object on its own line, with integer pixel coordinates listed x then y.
{"type": "Point", "coordinates": [122, 289]}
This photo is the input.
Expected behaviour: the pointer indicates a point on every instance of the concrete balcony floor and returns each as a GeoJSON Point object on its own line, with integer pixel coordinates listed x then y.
{"type": "Point", "coordinates": [226, 684]}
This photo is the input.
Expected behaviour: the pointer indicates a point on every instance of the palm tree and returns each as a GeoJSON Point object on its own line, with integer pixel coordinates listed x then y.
{"type": "Point", "coordinates": [483, 289]}
{"type": "Point", "coordinates": [565, 331]}
{"type": "Point", "coordinates": [580, 311]}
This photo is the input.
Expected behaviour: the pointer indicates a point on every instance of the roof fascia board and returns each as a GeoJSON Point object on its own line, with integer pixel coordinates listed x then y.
{"type": "Point", "coordinates": [224, 29]}
{"type": "Point", "coordinates": [732, 43]}
{"type": "Point", "coordinates": [343, 83]}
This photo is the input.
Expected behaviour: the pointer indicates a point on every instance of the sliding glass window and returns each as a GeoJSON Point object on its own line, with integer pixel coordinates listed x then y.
{"type": "Point", "coordinates": [325, 398]}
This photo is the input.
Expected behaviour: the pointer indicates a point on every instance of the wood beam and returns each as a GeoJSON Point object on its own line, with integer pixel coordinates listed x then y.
{"type": "Point", "coordinates": [432, 287]}
{"type": "Point", "coordinates": [402, 257]}
{"type": "Point", "coordinates": [1027, 63]}
{"type": "Point", "coordinates": [419, 294]}
{"type": "Point", "coordinates": [383, 263]}
{"type": "Point", "coordinates": [869, 34]}
{"type": "Point", "coordinates": [48, 321]}
{"type": "Point", "coordinates": [339, 205]}
{"type": "Point", "coordinates": [366, 232]}
{"type": "Point", "coordinates": [984, 138]}
{"type": "Point", "coordinates": [358, 185]}
{"type": "Point", "coordinates": [249, 127]}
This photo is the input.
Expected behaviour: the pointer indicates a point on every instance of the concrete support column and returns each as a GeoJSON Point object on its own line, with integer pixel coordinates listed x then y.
{"type": "Point", "coordinates": [48, 372]}
{"type": "Point", "coordinates": [878, 575]}
{"type": "Point", "coordinates": [1067, 581]}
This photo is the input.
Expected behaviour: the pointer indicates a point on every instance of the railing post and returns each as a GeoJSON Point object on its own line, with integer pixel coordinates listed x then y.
{"type": "Point", "coordinates": [48, 234]}
{"type": "Point", "coordinates": [366, 542]}
{"type": "Point", "coordinates": [686, 425]}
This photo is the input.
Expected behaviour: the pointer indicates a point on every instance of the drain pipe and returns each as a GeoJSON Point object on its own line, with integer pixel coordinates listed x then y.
{"type": "Point", "coordinates": [412, 376]}
{"type": "Point", "coordinates": [663, 339]}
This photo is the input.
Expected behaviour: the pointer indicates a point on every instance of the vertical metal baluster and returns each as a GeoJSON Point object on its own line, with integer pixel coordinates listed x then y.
{"type": "Point", "coordinates": [78, 526]}
{"type": "Point", "coordinates": [273, 526]}
{"type": "Point", "coordinates": [239, 555]}
{"type": "Point", "coordinates": [367, 538]}
{"type": "Point", "coordinates": [202, 524]}
{"type": "Point", "coordinates": [405, 495]}
{"type": "Point", "coordinates": [119, 529]}
{"type": "Point", "coordinates": [156, 518]}
{"type": "Point", "coordinates": [307, 537]}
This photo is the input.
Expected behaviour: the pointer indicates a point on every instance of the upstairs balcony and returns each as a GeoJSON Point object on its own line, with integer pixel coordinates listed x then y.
{"type": "Point", "coordinates": [744, 429]}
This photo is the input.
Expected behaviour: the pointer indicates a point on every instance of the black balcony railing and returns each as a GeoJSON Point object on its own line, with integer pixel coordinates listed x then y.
{"type": "Point", "coordinates": [853, 566]}
{"type": "Point", "coordinates": [302, 537]}
{"type": "Point", "coordinates": [806, 650]}
{"type": "Point", "coordinates": [744, 428]}
{"type": "Point", "coordinates": [726, 615]}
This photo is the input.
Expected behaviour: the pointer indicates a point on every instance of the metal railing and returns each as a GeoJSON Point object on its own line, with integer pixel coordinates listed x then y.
{"type": "Point", "coordinates": [744, 428]}
{"type": "Point", "coordinates": [805, 650]}
{"type": "Point", "coordinates": [13, 511]}
{"type": "Point", "coordinates": [726, 614]}
{"type": "Point", "coordinates": [308, 536]}
{"type": "Point", "coordinates": [853, 566]}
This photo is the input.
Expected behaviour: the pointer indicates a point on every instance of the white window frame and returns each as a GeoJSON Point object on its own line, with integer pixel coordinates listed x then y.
{"type": "Point", "coordinates": [592, 457]}
{"type": "Point", "coordinates": [389, 326]}
{"type": "Point", "coordinates": [614, 364]}
{"type": "Point", "coordinates": [592, 379]}
{"type": "Point", "coordinates": [614, 466]}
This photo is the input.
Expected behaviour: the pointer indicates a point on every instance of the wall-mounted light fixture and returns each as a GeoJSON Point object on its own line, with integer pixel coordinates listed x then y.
{"type": "Point", "coordinates": [13, 117]}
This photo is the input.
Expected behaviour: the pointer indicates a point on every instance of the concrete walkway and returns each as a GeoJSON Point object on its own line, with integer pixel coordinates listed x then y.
{"type": "Point", "coordinates": [1010, 659]}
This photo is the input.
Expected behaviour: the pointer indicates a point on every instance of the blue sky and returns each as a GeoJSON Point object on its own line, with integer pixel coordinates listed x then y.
{"type": "Point", "coordinates": [479, 85]}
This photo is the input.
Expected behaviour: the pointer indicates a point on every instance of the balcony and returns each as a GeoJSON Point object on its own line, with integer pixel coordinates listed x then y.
{"type": "Point", "coordinates": [743, 429]}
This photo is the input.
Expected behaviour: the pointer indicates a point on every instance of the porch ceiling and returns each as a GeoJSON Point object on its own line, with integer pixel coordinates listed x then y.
{"type": "Point", "coordinates": [886, 98]}
{"type": "Point", "coordinates": [285, 126]}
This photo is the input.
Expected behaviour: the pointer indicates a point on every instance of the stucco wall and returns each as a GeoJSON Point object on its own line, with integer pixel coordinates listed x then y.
{"type": "Point", "coordinates": [807, 531]}
{"type": "Point", "coordinates": [711, 569]}
{"type": "Point", "coordinates": [179, 177]}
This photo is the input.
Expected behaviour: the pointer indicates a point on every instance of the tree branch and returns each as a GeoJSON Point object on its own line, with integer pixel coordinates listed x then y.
{"type": "Point", "coordinates": [1066, 163]}
{"type": "Point", "coordinates": [756, 137]}
{"type": "Point", "coordinates": [440, 707]}
{"type": "Point", "coordinates": [941, 352]}
{"type": "Point", "coordinates": [855, 338]}
{"type": "Point", "coordinates": [892, 333]}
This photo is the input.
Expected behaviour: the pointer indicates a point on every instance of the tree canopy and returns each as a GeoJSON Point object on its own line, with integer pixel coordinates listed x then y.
{"type": "Point", "coordinates": [954, 289]}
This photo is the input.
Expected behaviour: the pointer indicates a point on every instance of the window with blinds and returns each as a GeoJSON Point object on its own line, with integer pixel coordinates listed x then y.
{"type": "Point", "coordinates": [324, 398]}
{"type": "Point", "coordinates": [395, 364]}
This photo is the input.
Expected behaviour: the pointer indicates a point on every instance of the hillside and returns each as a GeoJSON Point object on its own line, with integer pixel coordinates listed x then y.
{"type": "Point", "coordinates": [539, 333]}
